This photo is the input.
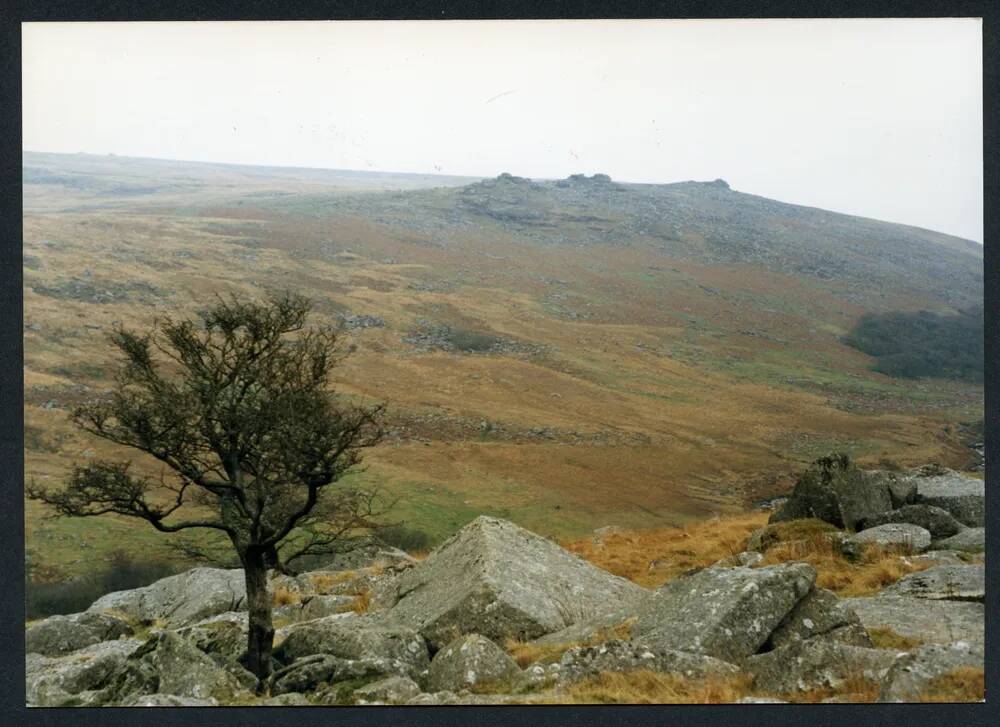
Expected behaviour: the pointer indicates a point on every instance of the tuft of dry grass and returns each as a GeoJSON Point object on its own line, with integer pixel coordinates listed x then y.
{"type": "Point", "coordinates": [886, 638]}
{"type": "Point", "coordinates": [526, 653]}
{"type": "Point", "coordinates": [283, 596]}
{"type": "Point", "coordinates": [871, 572]}
{"type": "Point", "coordinates": [362, 601]}
{"type": "Point", "coordinates": [653, 557]}
{"type": "Point", "coordinates": [965, 684]}
{"type": "Point", "coordinates": [855, 689]}
{"type": "Point", "coordinates": [649, 687]}
{"type": "Point", "coordinates": [324, 582]}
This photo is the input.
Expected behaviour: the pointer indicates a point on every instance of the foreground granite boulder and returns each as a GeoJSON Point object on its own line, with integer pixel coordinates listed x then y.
{"type": "Point", "coordinates": [816, 663]}
{"type": "Point", "coordinates": [80, 678]}
{"type": "Point", "coordinates": [499, 580]}
{"type": "Point", "coordinates": [912, 674]}
{"type": "Point", "coordinates": [179, 600]}
{"type": "Point", "coordinates": [58, 635]}
{"type": "Point", "coordinates": [728, 613]}
{"type": "Point", "coordinates": [391, 690]}
{"type": "Point", "coordinates": [169, 663]}
{"type": "Point", "coordinates": [924, 620]}
{"type": "Point", "coordinates": [821, 614]}
{"type": "Point", "coordinates": [167, 700]}
{"type": "Point", "coordinates": [467, 661]}
{"type": "Point", "coordinates": [620, 656]}
{"type": "Point", "coordinates": [939, 523]}
{"type": "Point", "coordinates": [964, 497]}
{"type": "Point", "coordinates": [943, 582]}
{"type": "Point", "coordinates": [376, 647]}
{"type": "Point", "coordinates": [836, 491]}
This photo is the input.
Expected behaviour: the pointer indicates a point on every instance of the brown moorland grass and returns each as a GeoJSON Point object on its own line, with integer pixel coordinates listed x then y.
{"type": "Point", "coordinates": [965, 684]}
{"type": "Point", "coordinates": [886, 638]}
{"type": "Point", "coordinates": [526, 652]}
{"type": "Point", "coordinates": [649, 687]}
{"type": "Point", "coordinates": [653, 557]}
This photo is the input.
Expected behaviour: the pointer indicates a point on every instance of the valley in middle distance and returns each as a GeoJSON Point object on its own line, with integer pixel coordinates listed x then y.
{"type": "Point", "coordinates": [566, 354]}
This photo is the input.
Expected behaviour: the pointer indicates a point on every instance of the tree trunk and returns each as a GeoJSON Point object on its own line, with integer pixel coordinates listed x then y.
{"type": "Point", "coordinates": [260, 638]}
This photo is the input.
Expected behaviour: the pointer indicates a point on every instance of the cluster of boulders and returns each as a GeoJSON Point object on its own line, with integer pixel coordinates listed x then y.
{"type": "Point", "coordinates": [927, 508]}
{"type": "Point", "coordinates": [439, 631]}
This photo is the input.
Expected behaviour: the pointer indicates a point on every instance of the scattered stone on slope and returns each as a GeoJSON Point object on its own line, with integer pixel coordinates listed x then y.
{"type": "Point", "coordinates": [902, 536]}
{"type": "Point", "coordinates": [970, 540]}
{"type": "Point", "coordinates": [913, 673]}
{"type": "Point", "coordinates": [79, 678]}
{"type": "Point", "coordinates": [943, 582]}
{"type": "Point", "coordinates": [467, 661]}
{"type": "Point", "coordinates": [289, 699]}
{"type": "Point", "coordinates": [391, 690]}
{"type": "Point", "coordinates": [922, 619]}
{"type": "Point", "coordinates": [180, 600]}
{"type": "Point", "coordinates": [169, 663]}
{"type": "Point", "coordinates": [381, 647]}
{"type": "Point", "coordinates": [821, 614]}
{"type": "Point", "coordinates": [728, 613]}
{"type": "Point", "coordinates": [816, 663]}
{"type": "Point", "coordinates": [964, 497]}
{"type": "Point", "coordinates": [939, 523]}
{"type": "Point", "coordinates": [499, 580]}
{"type": "Point", "coordinates": [833, 489]}
{"type": "Point", "coordinates": [58, 635]}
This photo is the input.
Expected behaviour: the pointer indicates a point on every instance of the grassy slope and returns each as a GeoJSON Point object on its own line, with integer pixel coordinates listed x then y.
{"type": "Point", "coordinates": [671, 384]}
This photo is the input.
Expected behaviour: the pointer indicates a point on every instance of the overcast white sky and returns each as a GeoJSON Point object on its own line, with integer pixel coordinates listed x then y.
{"type": "Point", "coordinates": [881, 118]}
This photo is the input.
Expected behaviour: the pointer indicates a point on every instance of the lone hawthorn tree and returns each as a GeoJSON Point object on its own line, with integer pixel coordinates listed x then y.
{"type": "Point", "coordinates": [237, 405]}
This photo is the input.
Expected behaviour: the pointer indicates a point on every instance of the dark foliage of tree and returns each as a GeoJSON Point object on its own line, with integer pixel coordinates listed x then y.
{"type": "Point", "coordinates": [237, 406]}
{"type": "Point", "coordinates": [923, 344]}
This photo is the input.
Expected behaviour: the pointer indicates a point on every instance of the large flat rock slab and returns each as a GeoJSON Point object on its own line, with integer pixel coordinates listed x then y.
{"type": "Point", "coordinates": [180, 600]}
{"type": "Point", "coordinates": [728, 613]}
{"type": "Point", "coordinates": [964, 497]}
{"type": "Point", "coordinates": [499, 580]}
{"type": "Point", "coordinates": [913, 674]}
{"type": "Point", "coordinates": [970, 540]}
{"type": "Point", "coordinates": [923, 619]}
{"type": "Point", "coordinates": [943, 582]}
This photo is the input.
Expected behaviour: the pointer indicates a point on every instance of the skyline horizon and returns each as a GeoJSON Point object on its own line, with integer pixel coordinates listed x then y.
{"type": "Point", "coordinates": [620, 180]}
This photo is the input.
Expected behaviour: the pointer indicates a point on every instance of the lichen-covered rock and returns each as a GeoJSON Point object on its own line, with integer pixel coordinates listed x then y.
{"type": "Point", "coordinates": [391, 690]}
{"type": "Point", "coordinates": [622, 656]}
{"type": "Point", "coordinates": [925, 620]}
{"type": "Point", "coordinates": [467, 661]}
{"type": "Point", "coordinates": [820, 615]}
{"type": "Point", "coordinates": [912, 674]}
{"type": "Point", "coordinates": [939, 523]}
{"type": "Point", "coordinates": [382, 647]}
{"type": "Point", "coordinates": [964, 497]}
{"type": "Point", "coordinates": [499, 580]}
{"type": "Point", "coordinates": [57, 635]}
{"type": "Point", "coordinates": [970, 540]}
{"type": "Point", "coordinates": [180, 600]}
{"type": "Point", "coordinates": [941, 557]}
{"type": "Point", "coordinates": [167, 700]}
{"type": "Point", "coordinates": [224, 639]}
{"type": "Point", "coordinates": [78, 678]}
{"type": "Point", "coordinates": [728, 613]}
{"type": "Point", "coordinates": [902, 536]}
{"type": "Point", "coordinates": [169, 663]}
{"type": "Point", "coordinates": [816, 663]}
{"type": "Point", "coordinates": [834, 490]}
{"type": "Point", "coordinates": [943, 582]}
